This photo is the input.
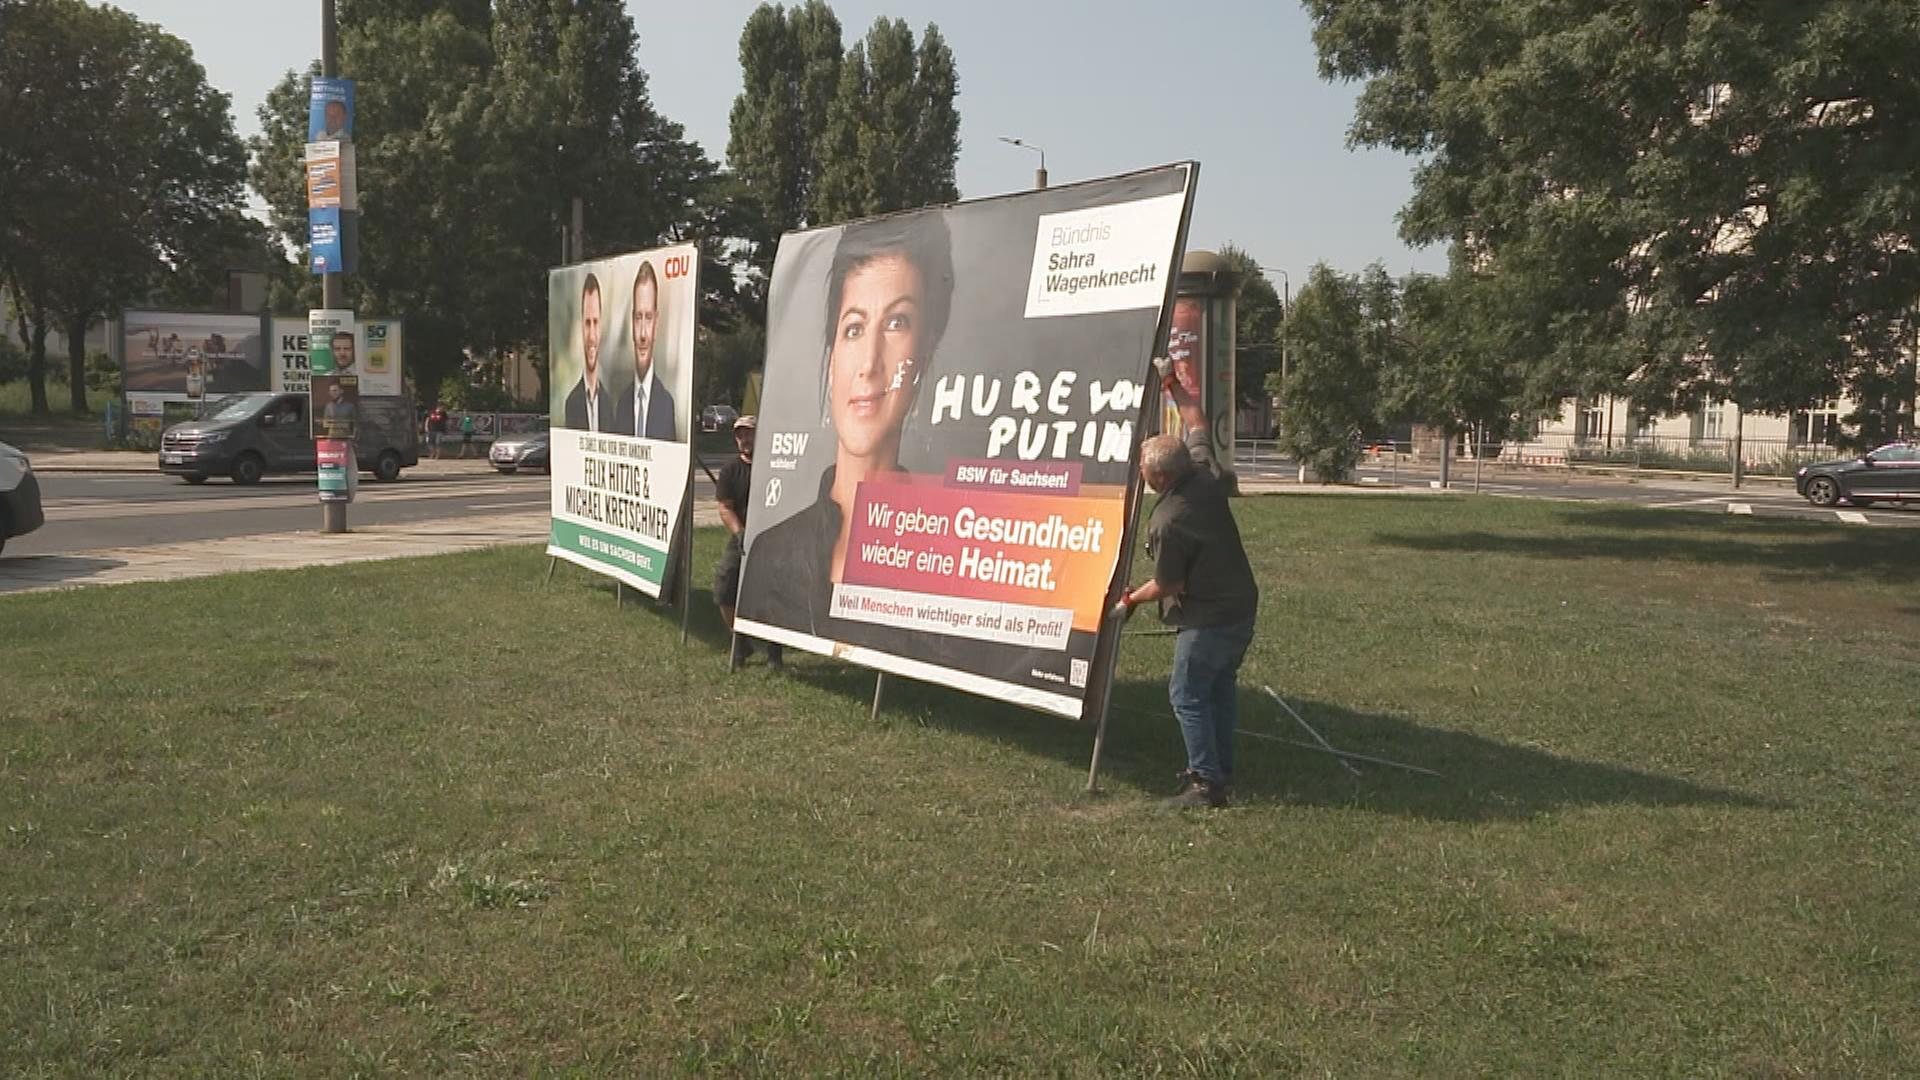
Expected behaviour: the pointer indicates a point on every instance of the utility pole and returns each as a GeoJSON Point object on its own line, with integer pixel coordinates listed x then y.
{"type": "Point", "coordinates": [333, 513]}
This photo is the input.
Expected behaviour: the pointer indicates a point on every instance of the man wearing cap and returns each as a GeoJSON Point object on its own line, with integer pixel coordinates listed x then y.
{"type": "Point", "coordinates": [731, 489]}
{"type": "Point", "coordinates": [1206, 590]}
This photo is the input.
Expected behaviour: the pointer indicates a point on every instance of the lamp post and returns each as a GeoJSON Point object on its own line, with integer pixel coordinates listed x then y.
{"type": "Point", "coordinates": [1040, 174]}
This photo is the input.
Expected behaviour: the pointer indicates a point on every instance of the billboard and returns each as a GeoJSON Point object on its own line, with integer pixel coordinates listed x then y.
{"type": "Point", "coordinates": [173, 353]}
{"type": "Point", "coordinates": [947, 430]}
{"type": "Point", "coordinates": [378, 356]}
{"type": "Point", "coordinates": [620, 338]}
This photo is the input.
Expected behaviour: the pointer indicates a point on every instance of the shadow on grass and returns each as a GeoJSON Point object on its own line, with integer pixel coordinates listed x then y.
{"type": "Point", "coordinates": [1481, 779]}
{"type": "Point", "coordinates": [1800, 552]}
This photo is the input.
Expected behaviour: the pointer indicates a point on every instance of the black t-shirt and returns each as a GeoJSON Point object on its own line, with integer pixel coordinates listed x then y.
{"type": "Point", "coordinates": [1195, 543]}
{"type": "Point", "coordinates": [733, 485]}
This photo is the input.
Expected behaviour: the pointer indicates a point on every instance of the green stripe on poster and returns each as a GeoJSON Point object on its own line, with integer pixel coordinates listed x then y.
{"type": "Point", "coordinates": [614, 551]}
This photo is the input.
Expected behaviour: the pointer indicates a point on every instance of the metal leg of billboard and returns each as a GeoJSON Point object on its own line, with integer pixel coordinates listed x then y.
{"type": "Point", "coordinates": [879, 688]}
{"type": "Point", "coordinates": [1106, 651]}
{"type": "Point", "coordinates": [686, 556]}
{"type": "Point", "coordinates": [552, 561]}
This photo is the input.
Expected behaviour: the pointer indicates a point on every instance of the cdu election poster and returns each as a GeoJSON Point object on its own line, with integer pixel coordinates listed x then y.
{"type": "Point", "coordinates": [620, 333]}
{"type": "Point", "coordinates": [947, 431]}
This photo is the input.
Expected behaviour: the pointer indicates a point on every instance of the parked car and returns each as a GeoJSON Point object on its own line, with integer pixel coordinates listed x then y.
{"type": "Point", "coordinates": [1890, 473]}
{"type": "Point", "coordinates": [718, 417]}
{"type": "Point", "coordinates": [20, 511]}
{"type": "Point", "coordinates": [511, 453]}
{"type": "Point", "coordinates": [247, 436]}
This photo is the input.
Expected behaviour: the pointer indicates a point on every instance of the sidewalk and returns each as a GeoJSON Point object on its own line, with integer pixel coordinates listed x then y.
{"type": "Point", "coordinates": [146, 461]}
{"type": "Point", "coordinates": [280, 551]}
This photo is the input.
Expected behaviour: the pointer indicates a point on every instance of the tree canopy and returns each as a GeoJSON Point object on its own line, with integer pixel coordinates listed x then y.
{"type": "Point", "coordinates": [822, 133]}
{"type": "Point", "coordinates": [118, 166]}
{"type": "Point", "coordinates": [1668, 199]}
{"type": "Point", "coordinates": [476, 129]}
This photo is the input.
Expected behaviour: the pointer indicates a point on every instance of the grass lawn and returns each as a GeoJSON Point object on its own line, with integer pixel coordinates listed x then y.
{"type": "Point", "coordinates": [430, 817]}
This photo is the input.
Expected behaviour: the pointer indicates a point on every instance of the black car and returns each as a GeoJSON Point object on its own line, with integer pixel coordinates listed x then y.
{"type": "Point", "coordinates": [1888, 474]}
{"type": "Point", "coordinates": [512, 453]}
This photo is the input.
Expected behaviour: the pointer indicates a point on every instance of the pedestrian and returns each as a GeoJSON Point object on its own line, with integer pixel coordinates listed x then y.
{"type": "Point", "coordinates": [731, 490]}
{"type": "Point", "coordinates": [1206, 590]}
{"type": "Point", "coordinates": [466, 434]}
{"type": "Point", "coordinates": [436, 430]}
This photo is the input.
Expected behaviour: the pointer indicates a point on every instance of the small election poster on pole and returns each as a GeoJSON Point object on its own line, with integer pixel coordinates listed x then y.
{"type": "Point", "coordinates": [330, 343]}
{"type": "Point", "coordinates": [336, 406]}
{"type": "Point", "coordinates": [621, 337]}
{"type": "Point", "coordinates": [338, 475]}
{"type": "Point", "coordinates": [330, 110]}
{"type": "Point", "coordinates": [948, 429]}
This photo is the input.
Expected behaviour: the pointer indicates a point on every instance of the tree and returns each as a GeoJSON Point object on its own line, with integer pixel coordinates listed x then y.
{"type": "Point", "coordinates": [121, 166]}
{"type": "Point", "coordinates": [1341, 325]}
{"type": "Point", "coordinates": [1673, 201]}
{"type": "Point", "coordinates": [892, 134]}
{"type": "Point", "coordinates": [1257, 320]}
{"type": "Point", "coordinates": [790, 70]}
{"type": "Point", "coordinates": [820, 134]}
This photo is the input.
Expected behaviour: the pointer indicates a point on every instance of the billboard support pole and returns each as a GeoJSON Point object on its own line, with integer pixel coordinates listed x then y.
{"type": "Point", "coordinates": [693, 456]}
{"type": "Point", "coordinates": [879, 689]}
{"type": "Point", "coordinates": [686, 549]}
{"type": "Point", "coordinates": [1106, 651]}
{"type": "Point", "coordinates": [333, 514]}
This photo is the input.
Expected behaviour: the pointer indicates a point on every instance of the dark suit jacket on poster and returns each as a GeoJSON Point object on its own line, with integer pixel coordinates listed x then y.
{"type": "Point", "coordinates": [576, 412]}
{"type": "Point", "coordinates": [659, 413]}
{"type": "Point", "coordinates": [788, 583]}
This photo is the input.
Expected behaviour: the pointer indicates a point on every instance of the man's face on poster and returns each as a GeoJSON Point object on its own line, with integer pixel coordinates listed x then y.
{"type": "Point", "coordinates": [336, 116]}
{"type": "Point", "coordinates": [336, 393]}
{"type": "Point", "coordinates": [646, 318]}
{"type": "Point", "coordinates": [876, 342]}
{"type": "Point", "coordinates": [342, 351]}
{"type": "Point", "coordinates": [590, 336]}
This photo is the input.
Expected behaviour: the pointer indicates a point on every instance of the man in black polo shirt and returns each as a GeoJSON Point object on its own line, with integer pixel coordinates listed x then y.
{"type": "Point", "coordinates": [731, 489]}
{"type": "Point", "coordinates": [1205, 588]}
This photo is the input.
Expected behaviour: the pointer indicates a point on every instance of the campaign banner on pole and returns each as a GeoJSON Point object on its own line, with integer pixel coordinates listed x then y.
{"type": "Point", "coordinates": [948, 428]}
{"type": "Point", "coordinates": [379, 356]}
{"type": "Point", "coordinates": [330, 109]}
{"type": "Point", "coordinates": [335, 406]}
{"type": "Point", "coordinates": [620, 335]}
{"type": "Point", "coordinates": [326, 241]}
{"type": "Point", "coordinates": [181, 354]}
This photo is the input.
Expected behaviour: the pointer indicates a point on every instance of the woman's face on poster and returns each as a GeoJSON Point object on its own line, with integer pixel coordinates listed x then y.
{"type": "Point", "coordinates": [876, 344]}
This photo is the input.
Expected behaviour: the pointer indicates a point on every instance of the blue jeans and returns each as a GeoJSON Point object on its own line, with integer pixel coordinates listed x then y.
{"type": "Point", "coordinates": [1206, 663]}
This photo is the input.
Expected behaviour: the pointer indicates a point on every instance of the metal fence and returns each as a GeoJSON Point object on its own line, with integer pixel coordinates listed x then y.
{"type": "Point", "coordinates": [1386, 460]}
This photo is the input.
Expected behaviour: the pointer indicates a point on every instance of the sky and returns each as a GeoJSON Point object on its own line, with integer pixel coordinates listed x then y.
{"type": "Point", "coordinates": [1105, 86]}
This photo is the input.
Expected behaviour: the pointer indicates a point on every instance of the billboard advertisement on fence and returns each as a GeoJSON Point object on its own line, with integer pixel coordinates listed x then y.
{"type": "Point", "coordinates": [174, 353]}
{"type": "Point", "coordinates": [947, 430]}
{"type": "Point", "coordinates": [620, 337]}
{"type": "Point", "coordinates": [378, 355]}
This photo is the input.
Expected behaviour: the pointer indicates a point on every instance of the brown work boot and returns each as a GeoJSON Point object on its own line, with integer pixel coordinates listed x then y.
{"type": "Point", "coordinates": [1196, 790]}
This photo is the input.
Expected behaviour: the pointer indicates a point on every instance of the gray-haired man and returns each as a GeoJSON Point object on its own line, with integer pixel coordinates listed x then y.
{"type": "Point", "coordinates": [1205, 587]}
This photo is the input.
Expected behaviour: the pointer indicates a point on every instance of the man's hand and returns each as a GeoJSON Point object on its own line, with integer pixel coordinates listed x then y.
{"type": "Point", "coordinates": [1123, 607]}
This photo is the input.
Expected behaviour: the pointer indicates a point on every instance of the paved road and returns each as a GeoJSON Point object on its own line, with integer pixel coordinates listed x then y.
{"type": "Point", "coordinates": [90, 511]}
{"type": "Point", "coordinates": [1763, 498]}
